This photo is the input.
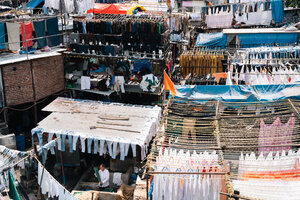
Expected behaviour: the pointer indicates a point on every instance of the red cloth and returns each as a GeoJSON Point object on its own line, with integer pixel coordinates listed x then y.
{"type": "Point", "coordinates": [28, 32]}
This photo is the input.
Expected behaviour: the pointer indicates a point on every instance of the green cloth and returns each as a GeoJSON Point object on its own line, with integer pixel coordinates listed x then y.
{"type": "Point", "coordinates": [96, 170]}
{"type": "Point", "coordinates": [13, 193]}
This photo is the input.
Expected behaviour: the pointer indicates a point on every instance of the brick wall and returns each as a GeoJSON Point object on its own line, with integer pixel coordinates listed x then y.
{"type": "Point", "coordinates": [48, 77]}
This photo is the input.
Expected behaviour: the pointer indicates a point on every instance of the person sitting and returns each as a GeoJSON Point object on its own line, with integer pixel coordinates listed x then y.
{"type": "Point", "coordinates": [104, 177]}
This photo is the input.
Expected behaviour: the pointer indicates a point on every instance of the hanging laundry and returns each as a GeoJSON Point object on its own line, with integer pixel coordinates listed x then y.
{"type": "Point", "coordinates": [13, 193]}
{"type": "Point", "coordinates": [52, 29]}
{"type": "Point", "coordinates": [50, 186]}
{"type": "Point", "coordinates": [277, 11]}
{"type": "Point", "coordinates": [40, 31]}
{"type": "Point", "coordinates": [26, 31]}
{"type": "Point", "coordinates": [219, 17]}
{"type": "Point", "coordinates": [275, 134]}
{"type": "Point", "coordinates": [13, 35]}
{"type": "Point", "coordinates": [2, 36]}
{"type": "Point", "coordinates": [201, 62]}
{"type": "Point", "coordinates": [175, 186]}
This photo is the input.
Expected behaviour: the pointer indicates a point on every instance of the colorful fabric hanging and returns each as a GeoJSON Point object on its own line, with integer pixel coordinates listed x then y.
{"type": "Point", "coordinates": [13, 193]}
{"type": "Point", "coordinates": [26, 31]}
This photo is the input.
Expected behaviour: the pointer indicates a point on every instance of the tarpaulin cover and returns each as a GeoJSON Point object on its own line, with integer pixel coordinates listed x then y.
{"type": "Point", "coordinates": [277, 11]}
{"type": "Point", "coordinates": [258, 39]}
{"type": "Point", "coordinates": [117, 8]}
{"type": "Point", "coordinates": [211, 40]}
{"type": "Point", "coordinates": [2, 36]}
{"type": "Point", "coordinates": [238, 93]}
{"type": "Point", "coordinates": [33, 3]}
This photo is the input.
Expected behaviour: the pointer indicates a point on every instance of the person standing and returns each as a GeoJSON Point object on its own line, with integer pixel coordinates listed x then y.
{"type": "Point", "coordinates": [104, 177]}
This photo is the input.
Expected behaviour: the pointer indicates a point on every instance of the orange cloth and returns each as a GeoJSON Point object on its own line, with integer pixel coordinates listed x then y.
{"type": "Point", "coordinates": [283, 174]}
{"type": "Point", "coordinates": [181, 182]}
{"type": "Point", "coordinates": [218, 76]}
{"type": "Point", "coordinates": [169, 85]}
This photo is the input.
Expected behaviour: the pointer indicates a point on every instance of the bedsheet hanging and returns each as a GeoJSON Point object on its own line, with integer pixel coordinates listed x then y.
{"type": "Point", "coordinates": [186, 186]}
{"type": "Point", "coordinates": [276, 133]}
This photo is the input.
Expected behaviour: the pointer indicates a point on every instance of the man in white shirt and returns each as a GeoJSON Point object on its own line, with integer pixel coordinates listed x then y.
{"type": "Point", "coordinates": [104, 177]}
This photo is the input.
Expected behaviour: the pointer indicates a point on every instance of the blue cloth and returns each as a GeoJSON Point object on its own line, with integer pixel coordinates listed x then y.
{"type": "Point", "coordinates": [84, 27]}
{"type": "Point", "coordinates": [122, 151]}
{"type": "Point", "coordinates": [44, 150]}
{"type": "Point", "coordinates": [63, 142]}
{"type": "Point", "coordinates": [45, 9]}
{"type": "Point", "coordinates": [109, 50]}
{"type": "Point", "coordinates": [101, 68]}
{"type": "Point", "coordinates": [40, 31]}
{"type": "Point", "coordinates": [211, 40]}
{"type": "Point", "coordinates": [52, 28]}
{"type": "Point", "coordinates": [139, 64]}
{"type": "Point", "coordinates": [109, 146]}
{"type": "Point", "coordinates": [89, 144]}
{"type": "Point", "coordinates": [39, 133]}
{"type": "Point", "coordinates": [151, 189]}
{"type": "Point", "coordinates": [115, 148]}
{"type": "Point", "coordinates": [75, 139]}
{"type": "Point", "coordinates": [96, 145]}
{"type": "Point", "coordinates": [102, 142]}
{"type": "Point", "coordinates": [33, 4]}
{"type": "Point", "coordinates": [259, 39]}
{"type": "Point", "coordinates": [2, 36]}
{"type": "Point", "coordinates": [70, 140]}
{"type": "Point", "coordinates": [82, 142]}
{"type": "Point", "coordinates": [133, 147]}
{"type": "Point", "coordinates": [277, 11]}
{"type": "Point", "coordinates": [238, 93]}
{"type": "Point", "coordinates": [108, 28]}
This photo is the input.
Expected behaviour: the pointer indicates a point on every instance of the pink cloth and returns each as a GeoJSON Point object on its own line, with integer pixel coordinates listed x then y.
{"type": "Point", "coordinates": [276, 133]}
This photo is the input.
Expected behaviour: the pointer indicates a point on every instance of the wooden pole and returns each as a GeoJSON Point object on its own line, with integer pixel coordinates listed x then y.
{"type": "Point", "coordinates": [62, 168]}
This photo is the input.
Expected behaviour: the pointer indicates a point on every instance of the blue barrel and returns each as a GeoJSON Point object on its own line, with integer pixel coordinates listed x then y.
{"type": "Point", "coordinates": [20, 142]}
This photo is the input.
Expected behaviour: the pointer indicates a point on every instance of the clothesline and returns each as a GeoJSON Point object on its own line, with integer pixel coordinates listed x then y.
{"type": "Point", "coordinates": [33, 39]}
{"type": "Point", "coordinates": [61, 192]}
{"type": "Point", "coordinates": [30, 18]}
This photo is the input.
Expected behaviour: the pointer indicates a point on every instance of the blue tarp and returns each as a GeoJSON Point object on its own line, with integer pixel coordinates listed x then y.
{"type": "Point", "coordinates": [2, 36]}
{"type": "Point", "coordinates": [277, 11]}
{"type": "Point", "coordinates": [33, 4]}
{"type": "Point", "coordinates": [259, 39]}
{"type": "Point", "coordinates": [211, 40]}
{"type": "Point", "coordinates": [238, 93]}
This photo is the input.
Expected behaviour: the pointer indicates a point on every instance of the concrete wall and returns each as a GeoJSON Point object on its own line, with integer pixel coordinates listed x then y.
{"type": "Point", "coordinates": [28, 81]}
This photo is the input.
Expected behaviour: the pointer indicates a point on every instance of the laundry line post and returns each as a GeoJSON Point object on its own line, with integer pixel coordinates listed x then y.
{"type": "Point", "coordinates": [39, 190]}
{"type": "Point", "coordinates": [147, 186]}
{"type": "Point", "coordinates": [25, 40]}
{"type": "Point", "coordinates": [228, 184]}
